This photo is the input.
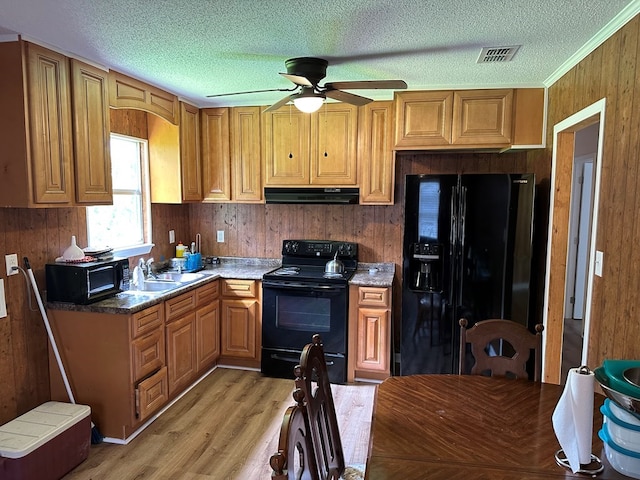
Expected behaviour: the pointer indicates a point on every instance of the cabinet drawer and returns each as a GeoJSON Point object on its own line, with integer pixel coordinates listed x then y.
{"type": "Point", "coordinates": [147, 320]}
{"type": "Point", "coordinates": [207, 293]}
{"type": "Point", "coordinates": [239, 288]}
{"type": "Point", "coordinates": [148, 354]}
{"type": "Point", "coordinates": [178, 306]}
{"type": "Point", "coordinates": [373, 296]}
{"type": "Point", "coordinates": [151, 394]}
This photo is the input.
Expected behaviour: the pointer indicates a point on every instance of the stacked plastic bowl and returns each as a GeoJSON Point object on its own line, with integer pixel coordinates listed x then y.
{"type": "Point", "coordinates": [620, 381]}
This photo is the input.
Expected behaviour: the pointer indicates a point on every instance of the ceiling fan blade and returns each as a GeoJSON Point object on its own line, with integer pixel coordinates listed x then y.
{"type": "Point", "coordinates": [347, 97]}
{"type": "Point", "coordinates": [278, 104]}
{"type": "Point", "coordinates": [298, 79]}
{"type": "Point", "coordinates": [253, 91]}
{"type": "Point", "coordinates": [367, 84]}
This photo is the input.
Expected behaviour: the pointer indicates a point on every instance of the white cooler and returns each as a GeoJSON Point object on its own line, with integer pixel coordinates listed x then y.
{"type": "Point", "coordinates": [46, 442]}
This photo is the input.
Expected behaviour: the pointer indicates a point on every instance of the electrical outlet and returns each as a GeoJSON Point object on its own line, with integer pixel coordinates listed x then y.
{"type": "Point", "coordinates": [220, 236]}
{"type": "Point", "coordinates": [12, 261]}
{"type": "Point", "coordinates": [172, 236]}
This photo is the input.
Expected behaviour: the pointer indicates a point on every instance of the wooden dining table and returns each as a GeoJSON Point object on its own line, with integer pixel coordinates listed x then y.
{"type": "Point", "coordinates": [471, 427]}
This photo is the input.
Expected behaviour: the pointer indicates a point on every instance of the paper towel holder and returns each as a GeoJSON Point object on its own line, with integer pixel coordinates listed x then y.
{"type": "Point", "coordinates": [595, 466]}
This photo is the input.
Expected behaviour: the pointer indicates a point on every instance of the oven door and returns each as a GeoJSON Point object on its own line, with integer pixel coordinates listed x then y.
{"type": "Point", "coordinates": [292, 312]}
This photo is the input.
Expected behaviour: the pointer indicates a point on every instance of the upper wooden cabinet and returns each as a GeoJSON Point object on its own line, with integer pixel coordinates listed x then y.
{"type": "Point", "coordinates": [175, 169]}
{"type": "Point", "coordinates": [467, 119]}
{"type": "Point", "coordinates": [42, 117]}
{"type": "Point", "coordinates": [231, 154]}
{"type": "Point", "coordinates": [311, 149]}
{"type": "Point", "coordinates": [127, 92]}
{"type": "Point", "coordinates": [90, 106]}
{"type": "Point", "coordinates": [376, 158]}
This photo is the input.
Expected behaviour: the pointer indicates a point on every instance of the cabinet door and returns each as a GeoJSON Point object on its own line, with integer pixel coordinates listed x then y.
{"type": "Point", "coordinates": [50, 124]}
{"type": "Point", "coordinates": [286, 136]}
{"type": "Point", "coordinates": [423, 119]}
{"type": "Point", "coordinates": [90, 103]}
{"type": "Point", "coordinates": [375, 153]}
{"type": "Point", "coordinates": [482, 117]}
{"type": "Point", "coordinates": [238, 328]}
{"type": "Point", "coordinates": [190, 153]}
{"type": "Point", "coordinates": [334, 131]}
{"type": "Point", "coordinates": [207, 335]}
{"type": "Point", "coordinates": [245, 154]}
{"type": "Point", "coordinates": [373, 340]}
{"type": "Point", "coordinates": [216, 158]}
{"type": "Point", "coordinates": [181, 352]}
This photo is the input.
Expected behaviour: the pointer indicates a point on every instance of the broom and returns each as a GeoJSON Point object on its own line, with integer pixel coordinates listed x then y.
{"type": "Point", "coordinates": [96, 436]}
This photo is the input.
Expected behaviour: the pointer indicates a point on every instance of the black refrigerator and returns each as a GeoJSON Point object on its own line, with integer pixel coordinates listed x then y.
{"type": "Point", "coordinates": [466, 253]}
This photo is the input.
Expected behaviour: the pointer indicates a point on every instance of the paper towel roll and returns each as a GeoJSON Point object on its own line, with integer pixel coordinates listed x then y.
{"type": "Point", "coordinates": [573, 417]}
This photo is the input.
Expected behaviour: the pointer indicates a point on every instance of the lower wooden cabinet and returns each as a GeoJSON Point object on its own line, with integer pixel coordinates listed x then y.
{"type": "Point", "coordinates": [127, 367]}
{"type": "Point", "coordinates": [116, 363]}
{"type": "Point", "coordinates": [369, 333]}
{"type": "Point", "coordinates": [192, 333]}
{"type": "Point", "coordinates": [241, 328]}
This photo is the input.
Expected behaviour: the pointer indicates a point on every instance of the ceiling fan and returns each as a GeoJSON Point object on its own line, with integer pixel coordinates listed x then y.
{"type": "Point", "coordinates": [308, 96]}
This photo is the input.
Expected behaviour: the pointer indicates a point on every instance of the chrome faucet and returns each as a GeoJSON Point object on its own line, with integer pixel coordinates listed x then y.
{"type": "Point", "coordinates": [149, 270]}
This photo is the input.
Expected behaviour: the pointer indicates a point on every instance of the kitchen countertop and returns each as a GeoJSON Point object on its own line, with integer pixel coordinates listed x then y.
{"type": "Point", "coordinates": [374, 275]}
{"type": "Point", "coordinates": [230, 267]}
{"type": "Point", "coordinates": [128, 303]}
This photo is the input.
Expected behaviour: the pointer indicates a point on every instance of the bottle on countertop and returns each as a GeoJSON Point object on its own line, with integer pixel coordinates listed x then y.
{"type": "Point", "coordinates": [180, 248]}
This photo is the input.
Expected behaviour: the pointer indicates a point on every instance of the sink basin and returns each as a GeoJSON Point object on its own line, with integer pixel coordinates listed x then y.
{"type": "Point", "coordinates": [179, 277]}
{"type": "Point", "coordinates": [155, 286]}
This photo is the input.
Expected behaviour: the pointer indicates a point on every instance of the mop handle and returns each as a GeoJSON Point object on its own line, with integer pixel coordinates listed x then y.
{"type": "Point", "coordinates": [49, 332]}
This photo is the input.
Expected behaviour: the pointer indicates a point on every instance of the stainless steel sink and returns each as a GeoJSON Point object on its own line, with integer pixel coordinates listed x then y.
{"type": "Point", "coordinates": [154, 286]}
{"type": "Point", "coordinates": [179, 277]}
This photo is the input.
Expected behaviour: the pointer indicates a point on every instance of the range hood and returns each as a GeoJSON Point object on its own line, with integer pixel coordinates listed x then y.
{"type": "Point", "coordinates": [322, 195]}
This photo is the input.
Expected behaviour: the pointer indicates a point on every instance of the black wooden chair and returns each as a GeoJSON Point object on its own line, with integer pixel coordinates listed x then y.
{"type": "Point", "coordinates": [501, 348]}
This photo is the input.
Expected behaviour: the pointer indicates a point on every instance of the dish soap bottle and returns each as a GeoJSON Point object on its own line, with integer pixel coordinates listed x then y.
{"type": "Point", "coordinates": [180, 248]}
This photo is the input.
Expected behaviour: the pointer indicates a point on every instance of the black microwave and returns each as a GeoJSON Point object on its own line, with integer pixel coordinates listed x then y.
{"type": "Point", "coordinates": [88, 282]}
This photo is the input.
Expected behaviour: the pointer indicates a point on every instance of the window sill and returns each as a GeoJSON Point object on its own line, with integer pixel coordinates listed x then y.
{"type": "Point", "coordinates": [133, 251]}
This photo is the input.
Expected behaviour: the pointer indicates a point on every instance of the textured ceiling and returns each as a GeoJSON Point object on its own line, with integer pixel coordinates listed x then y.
{"type": "Point", "coordinates": [198, 47]}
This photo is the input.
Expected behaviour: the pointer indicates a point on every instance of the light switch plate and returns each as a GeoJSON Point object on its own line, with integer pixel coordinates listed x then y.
{"type": "Point", "coordinates": [599, 262]}
{"type": "Point", "coordinates": [172, 236]}
{"type": "Point", "coordinates": [3, 303]}
{"type": "Point", "coordinates": [220, 236]}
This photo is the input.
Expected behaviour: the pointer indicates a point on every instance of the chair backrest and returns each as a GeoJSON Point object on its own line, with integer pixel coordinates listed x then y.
{"type": "Point", "coordinates": [295, 459]}
{"type": "Point", "coordinates": [312, 378]}
{"type": "Point", "coordinates": [501, 348]}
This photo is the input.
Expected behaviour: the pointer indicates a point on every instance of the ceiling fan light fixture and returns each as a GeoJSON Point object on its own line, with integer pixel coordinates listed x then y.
{"type": "Point", "coordinates": [308, 101]}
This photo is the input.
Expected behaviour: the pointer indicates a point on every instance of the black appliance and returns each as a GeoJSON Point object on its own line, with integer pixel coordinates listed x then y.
{"type": "Point", "coordinates": [466, 253]}
{"type": "Point", "coordinates": [300, 299]}
{"type": "Point", "coordinates": [86, 282]}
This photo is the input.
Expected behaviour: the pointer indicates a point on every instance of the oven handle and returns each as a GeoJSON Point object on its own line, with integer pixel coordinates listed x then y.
{"type": "Point", "coordinates": [296, 360]}
{"type": "Point", "coordinates": [305, 286]}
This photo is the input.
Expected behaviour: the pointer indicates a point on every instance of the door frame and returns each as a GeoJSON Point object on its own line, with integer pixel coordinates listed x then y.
{"type": "Point", "coordinates": [558, 236]}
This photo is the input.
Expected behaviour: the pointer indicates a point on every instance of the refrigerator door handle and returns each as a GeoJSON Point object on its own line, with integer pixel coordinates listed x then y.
{"type": "Point", "coordinates": [453, 235]}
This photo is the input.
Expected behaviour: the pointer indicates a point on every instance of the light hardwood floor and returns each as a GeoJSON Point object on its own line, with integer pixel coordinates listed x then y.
{"type": "Point", "coordinates": [225, 428]}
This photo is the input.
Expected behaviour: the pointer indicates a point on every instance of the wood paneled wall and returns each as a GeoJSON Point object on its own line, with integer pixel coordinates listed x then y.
{"type": "Point", "coordinates": [612, 72]}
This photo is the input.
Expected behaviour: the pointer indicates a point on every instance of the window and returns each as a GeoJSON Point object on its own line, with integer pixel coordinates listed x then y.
{"type": "Point", "coordinates": [126, 223]}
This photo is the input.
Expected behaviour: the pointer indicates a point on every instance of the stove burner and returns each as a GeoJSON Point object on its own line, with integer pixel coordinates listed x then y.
{"type": "Point", "coordinates": [286, 271]}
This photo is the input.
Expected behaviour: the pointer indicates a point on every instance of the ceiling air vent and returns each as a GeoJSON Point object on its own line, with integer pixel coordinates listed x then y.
{"type": "Point", "coordinates": [497, 54]}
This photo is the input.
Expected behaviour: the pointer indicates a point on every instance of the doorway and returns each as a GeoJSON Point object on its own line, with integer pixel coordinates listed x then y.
{"type": "Point", "coordinates": [577, 153]}
{"type": "Point", "coordinates": [578, 259]}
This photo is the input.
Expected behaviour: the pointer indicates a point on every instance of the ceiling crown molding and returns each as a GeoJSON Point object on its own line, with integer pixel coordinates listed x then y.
{"type": "Point", "coordinates": [616, 23]}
